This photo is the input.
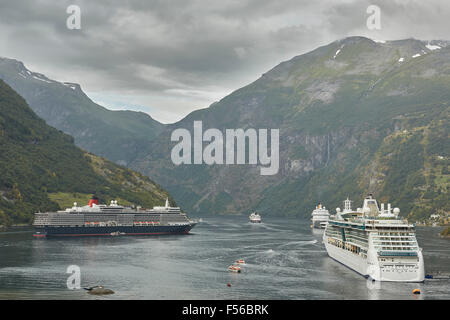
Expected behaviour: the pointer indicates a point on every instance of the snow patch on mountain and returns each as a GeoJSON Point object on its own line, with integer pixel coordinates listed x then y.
{"type": "Point", "coordinates": [71, 85]}
{"type": "Point", "coordinates": [337, 52]}
{"type": "Point", "coordinates": [432, 47]}
{"type": "Point", "coordinates": [38, 78]}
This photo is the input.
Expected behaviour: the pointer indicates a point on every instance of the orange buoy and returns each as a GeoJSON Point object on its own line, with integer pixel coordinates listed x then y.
{"type": "Point", "coordinates": [416, 291]}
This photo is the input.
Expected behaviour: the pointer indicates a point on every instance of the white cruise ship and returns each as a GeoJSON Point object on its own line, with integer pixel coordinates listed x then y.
{"type": "Point", "coordinates": [319, 217]}
{"type": "Point", "coordinates": [255, 218]}
{"type": "Point", "coordinates": [375, 242]}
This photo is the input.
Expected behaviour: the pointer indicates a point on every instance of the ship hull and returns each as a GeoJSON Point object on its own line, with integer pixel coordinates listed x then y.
{"type": "Point", "coordinates": [48, 231]}
{"type": "Point", "coordinates": [375, 271]}
{"type": "Point", "coordinates": [350, 260]}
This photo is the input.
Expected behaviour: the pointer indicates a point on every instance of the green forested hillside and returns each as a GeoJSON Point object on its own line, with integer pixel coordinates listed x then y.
{"type": "Point", "coordinates": [41, 168]}
{"type": "Point", "coordinates": [116, 135]}
{"type": "Point", "coordinates": [355, 116]}
{"type": "Point", "coordinates": [412, 166]}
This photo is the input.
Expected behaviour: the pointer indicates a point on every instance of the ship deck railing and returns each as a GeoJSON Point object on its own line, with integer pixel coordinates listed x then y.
{"type": "Point", "coordinates": [348, 224]}
{"type": "Point", "coordinates": [397, 254]}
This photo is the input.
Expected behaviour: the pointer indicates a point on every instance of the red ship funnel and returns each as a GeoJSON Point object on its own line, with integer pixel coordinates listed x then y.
{"type": "Point", "coordinates": [93, 200]}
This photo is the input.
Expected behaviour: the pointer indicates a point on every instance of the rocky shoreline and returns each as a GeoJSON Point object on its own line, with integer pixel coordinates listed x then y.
{"type": "Point", "coordinates": [445, 233]}
{"type": "Point", "coordinates": [14, 226]}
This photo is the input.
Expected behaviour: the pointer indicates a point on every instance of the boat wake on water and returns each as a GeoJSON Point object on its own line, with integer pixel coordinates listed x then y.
{"type": "Point", "coordinates": [299, 243]}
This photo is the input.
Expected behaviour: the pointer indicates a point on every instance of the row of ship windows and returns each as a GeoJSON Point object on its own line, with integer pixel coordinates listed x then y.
{"type": "Point", "coordinates": [398, 266]}
{"type": "Point", "coordinates": [360, 243]}
{"type": "Point", "coordinates": [395, 238]}
{"type": "Point", "coordinates": [411, 244]}
{"type": "Point", "coordinates": [362, 233]}
{"type": "Point", "coordinates": [348, 231]}
{"type": "Point", "coordinates": [396, 248]}
{"type": "Point", "coordinates": [395, 241]}
{"type": "Point", "coordinates": [99, 216]}
{"type": "Point", "coordinates": [394, 234]}
{"type": "Point", "coordinates": [174, 219]}
{"type": "Point", "coordinates": [365, 236]}
{"type": "Point", "coordinates": [348, 237]}
{"type": "Point", "coordinates": [96, 219]}
{"type": "Point", "coordinates": [348, 246]}
{"type": "Point", "coordinates": [356, 238]}
{"type": "Point", "coordinates": [398, 244]}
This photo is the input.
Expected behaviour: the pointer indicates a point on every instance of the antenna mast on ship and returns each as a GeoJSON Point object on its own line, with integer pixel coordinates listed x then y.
{"type": "Point", "coordinates": [347, 205]}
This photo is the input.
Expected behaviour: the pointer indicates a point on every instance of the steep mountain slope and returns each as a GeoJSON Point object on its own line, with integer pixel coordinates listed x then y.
{"type": "Point", "coordinates": [341, 110]}
{"type": "Point", "coordinates": [41, 168]}
{"type": "Point", "coordinates": [117, 135]}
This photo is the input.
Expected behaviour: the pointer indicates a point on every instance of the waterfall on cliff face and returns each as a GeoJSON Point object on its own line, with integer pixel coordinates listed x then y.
{"type": "Point", "coordinates": [328, 150]}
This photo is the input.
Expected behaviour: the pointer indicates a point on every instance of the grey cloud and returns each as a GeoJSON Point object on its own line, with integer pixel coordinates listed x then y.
{"type": "Point", "coordinates": [183, 54]}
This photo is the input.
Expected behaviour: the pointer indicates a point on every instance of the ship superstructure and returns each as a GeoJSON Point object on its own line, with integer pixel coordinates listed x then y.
{"type": "Point", "coordinates": [255, 218]}
{"type": "Point", "coordinates": [375, 242]}
{"type": "Point", "coordinates": [319, 217]}
{"type": "Point", "coordinates": [102, 220]}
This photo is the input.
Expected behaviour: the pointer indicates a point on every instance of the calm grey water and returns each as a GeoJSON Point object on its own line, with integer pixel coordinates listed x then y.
{"type": "Point", "coordinates": [285, 260]}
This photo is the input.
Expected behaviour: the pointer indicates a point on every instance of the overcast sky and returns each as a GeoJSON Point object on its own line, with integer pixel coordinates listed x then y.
{"type": "Point", "coordinates": [170, 57]}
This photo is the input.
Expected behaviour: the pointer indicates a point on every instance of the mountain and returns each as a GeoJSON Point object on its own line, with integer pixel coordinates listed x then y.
{"type": "Point", "coordinates": [116, 135]}
{"type": "Point", "coordinates": [42, 169]}
{"type": "Point", "coordinates": [355, 116]}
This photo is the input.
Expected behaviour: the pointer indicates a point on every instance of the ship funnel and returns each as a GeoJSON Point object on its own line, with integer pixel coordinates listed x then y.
{"type": "Point", "coordinates": [93, 200]}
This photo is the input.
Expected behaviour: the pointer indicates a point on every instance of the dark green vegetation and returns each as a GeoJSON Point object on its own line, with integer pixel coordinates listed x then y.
{"type": "Point", "coordinates": [350, 123]}
{"type": "Point", "coordinates": [446, 232]}
{"type": "Point", "coordinates": [39, 163]}
{"type": "Point", "coordinates": [117, 135]}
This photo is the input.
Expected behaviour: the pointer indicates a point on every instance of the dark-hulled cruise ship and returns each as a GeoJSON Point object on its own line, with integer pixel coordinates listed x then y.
{"type": "Point", "coordinates": [113, 220]}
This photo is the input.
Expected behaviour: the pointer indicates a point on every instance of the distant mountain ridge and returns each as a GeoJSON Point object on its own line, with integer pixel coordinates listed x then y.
{"type": "Point", "coordinates": [355, 116]}
{"type": "Point", "coordinates": [41, 169]}
{"type": "Point", "coordinates": [117, 135]}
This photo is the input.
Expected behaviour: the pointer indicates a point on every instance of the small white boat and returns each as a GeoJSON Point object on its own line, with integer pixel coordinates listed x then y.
{"type": "Point", "coordinates": [234, 268]}
{"type": "Point", "coordinates": [255, 218]}
{"type": "Point", "coordinates": [240, 261]}
{"type": "Point", "coordinates": [117, 233]}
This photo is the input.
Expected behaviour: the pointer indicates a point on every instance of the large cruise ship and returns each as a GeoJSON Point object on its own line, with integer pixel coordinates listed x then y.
{"type": "Point", "coordinates": [102, 220]}
{"type": "Point", "coordinates": [375, 242]}
{"type": "Point", "coordinates": [320, 217]}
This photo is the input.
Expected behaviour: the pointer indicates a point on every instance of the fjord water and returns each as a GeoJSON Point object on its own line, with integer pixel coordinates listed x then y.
{"type": "Point", "coordinates": [285, 260]}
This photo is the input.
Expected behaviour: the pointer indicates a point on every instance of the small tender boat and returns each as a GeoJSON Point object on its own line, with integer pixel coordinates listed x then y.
{"type": "Point", "coordinates": [255, 218]}
{"type": "Point", "coordinates": [117, 233]}
{"type": "Point", "coordinates": [240, 261]}
{"type": "Point", "coordinates": [234, 268]}
{"type": "Point", "coordinates": [39, 234]}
